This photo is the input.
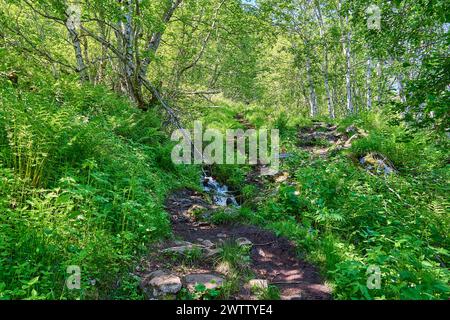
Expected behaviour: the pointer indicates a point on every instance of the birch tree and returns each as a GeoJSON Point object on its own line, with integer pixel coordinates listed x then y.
{"type": "Point", "coordinates": [324, 42]}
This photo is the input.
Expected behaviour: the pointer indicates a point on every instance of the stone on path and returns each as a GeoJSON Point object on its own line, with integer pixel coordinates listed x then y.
{"type": "Point", "coordinates": [377, 163]}
{"type": "Point", "coordinates": [210, 281]}
{"type": "Point", "coordinates": [243, 242]}
{"type": "Point", "coordinates": [182, 249]}
{"type": "Point", "coordinates": [212, 252]}
{"type": "Point", "coordinates": [208, 243]}
{"type": "Point", "coordinates": [164, 283]}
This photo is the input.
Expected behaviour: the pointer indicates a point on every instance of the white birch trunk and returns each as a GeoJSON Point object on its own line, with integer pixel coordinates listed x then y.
{"type": "Point", "coordinates": [134, 86]}
{"type": "Point", "coordinates": [369, 84]}
{"type": "Point", "coordinates": [346, 43]}
{"type": "Point", "coordinates": [156, 37]}
{"type": "Point", "coordinates": [312, 91]}
{"type": "Point", "coordinates": [73, 23]}
{"type": "Point", "coordinates": [380, 82]}
{"type": "Point", "coordinates": [325, 67]}
{"type": "Point", "coordinates": [401, 88]}
{"type": "Point", "coordinates": [348, 82]}
{"type": "Point", "coordinates": [76, 44]}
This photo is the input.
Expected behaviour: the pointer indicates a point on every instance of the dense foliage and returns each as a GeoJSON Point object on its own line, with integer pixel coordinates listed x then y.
{"type": "Point", "coordinates": [346, 219]}
{"type": "Point", "coordinates": [91, 90]}
{"type": "Point", "coordinates": [83, 178]}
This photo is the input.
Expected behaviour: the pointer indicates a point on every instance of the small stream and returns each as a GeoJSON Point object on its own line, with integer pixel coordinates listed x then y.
{"type": "Point", "coordinates": [220, 194]}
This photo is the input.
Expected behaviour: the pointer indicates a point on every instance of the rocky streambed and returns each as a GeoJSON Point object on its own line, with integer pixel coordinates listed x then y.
{"type": "Point", "coordinates": [194, 264]}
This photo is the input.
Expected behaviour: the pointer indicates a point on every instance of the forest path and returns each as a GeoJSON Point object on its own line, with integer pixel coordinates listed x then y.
{"type": "Point", "coordinates": [199, 253]}
{"type": "Point", "coordinates": [322, 138]}
{"type": "Point", "coordinates": [272, 260]}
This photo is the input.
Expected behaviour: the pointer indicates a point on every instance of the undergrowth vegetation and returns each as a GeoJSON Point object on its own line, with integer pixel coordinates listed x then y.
{"type": "Point", "coordinates": [345, 219]}
{"type": "Point", "coordinates": [91, 91]}
{"type": "Point", "coordinates": [83, 177]}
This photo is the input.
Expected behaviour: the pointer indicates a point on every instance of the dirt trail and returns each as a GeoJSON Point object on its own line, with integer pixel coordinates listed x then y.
{"type": "Point", "coordinates": [321, 138]}
{"type": "Point", "coordinates": [272, 259]}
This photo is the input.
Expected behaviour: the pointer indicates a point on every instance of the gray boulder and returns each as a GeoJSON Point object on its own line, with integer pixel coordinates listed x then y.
{"type": "Point", "coordinates": [210, 281]}
{"type": "Point", "coordinates": [163, 283]}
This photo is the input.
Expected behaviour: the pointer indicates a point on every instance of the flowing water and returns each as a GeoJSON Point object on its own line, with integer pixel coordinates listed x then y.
{"type": "Point", "coordinates": [220, 193]}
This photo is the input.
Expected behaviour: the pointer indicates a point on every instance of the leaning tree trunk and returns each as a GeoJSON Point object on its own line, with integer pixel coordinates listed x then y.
{"type": "Point", "coordinates": [76, 44]}
{"type": "Point", "coordinates": [130, 66]}
{"type": "Point", "coordinates": [72, 23]}
{"type": "Point", "coordinates": [101, 72]}
{"type": "Point", "coordinates": [155, 39]}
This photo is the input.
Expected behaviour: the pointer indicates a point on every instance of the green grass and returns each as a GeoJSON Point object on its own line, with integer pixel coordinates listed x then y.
{"type": "Point", "coordinates": [237, 260]}
{"type": "Point", "coordinates": [83, 177]}
{"type": "Point", "coordinates": [269, 293]}
{"type": "Point", "coordinates": [236, 256]}
{"type": "Point", "coordinates": [345, 220]}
